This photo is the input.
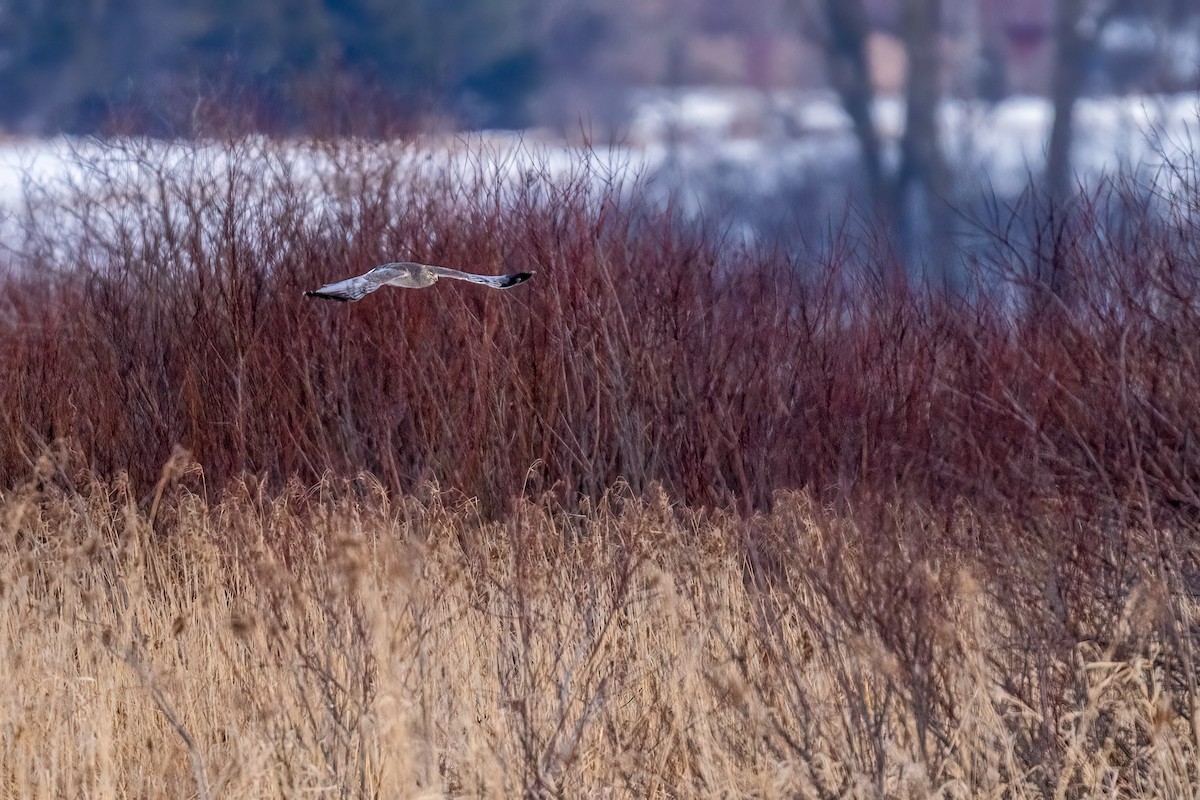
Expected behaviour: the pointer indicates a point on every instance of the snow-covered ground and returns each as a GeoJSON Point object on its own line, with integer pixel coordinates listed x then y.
{"type": "Point", "coordinates": [738, 145]}
{"type": "Point", "coordinates": [1001, 142]}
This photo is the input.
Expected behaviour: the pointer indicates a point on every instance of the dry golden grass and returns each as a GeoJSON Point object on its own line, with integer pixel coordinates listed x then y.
{"type": "Point", "coordinates": [349, 644]}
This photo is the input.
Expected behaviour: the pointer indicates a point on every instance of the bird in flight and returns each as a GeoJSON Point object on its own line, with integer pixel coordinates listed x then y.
{"type": "Point", "coordinates": [409, 275]}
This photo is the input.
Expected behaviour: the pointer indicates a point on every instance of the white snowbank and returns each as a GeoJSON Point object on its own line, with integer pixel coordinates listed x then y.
{"type": "Point", "coordinates": [695, 142]}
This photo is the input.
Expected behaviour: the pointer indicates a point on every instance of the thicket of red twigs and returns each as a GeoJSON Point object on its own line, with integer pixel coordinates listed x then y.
{"type": "Point", "coordinates": [154, 299]}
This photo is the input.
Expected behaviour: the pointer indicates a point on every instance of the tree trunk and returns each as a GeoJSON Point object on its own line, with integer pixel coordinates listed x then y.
{"type": "Point", "coordinates": [914, 200]}
{"type": "Point", "coordinates": [1069, 66]}
{"type": "Point", "coordinates": [846, 56]}
{"type": "Point", "coordinates": [921, 198]}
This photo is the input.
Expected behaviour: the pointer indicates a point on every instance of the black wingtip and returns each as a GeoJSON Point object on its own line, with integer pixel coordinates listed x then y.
{"type": "Point", "coordinates": [326, 296]}
{"type": "Point", "coordinates": [515, 278]}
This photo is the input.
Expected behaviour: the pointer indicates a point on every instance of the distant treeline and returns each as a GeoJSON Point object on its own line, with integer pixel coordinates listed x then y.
{"type": "Point", "coordinates": [162, 68]}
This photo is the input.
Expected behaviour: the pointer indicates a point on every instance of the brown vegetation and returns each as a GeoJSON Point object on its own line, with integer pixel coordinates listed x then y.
{"type": "Point", "coordinates": [866, 540]}
{"type": "Point", "coordinates": [279, 646]}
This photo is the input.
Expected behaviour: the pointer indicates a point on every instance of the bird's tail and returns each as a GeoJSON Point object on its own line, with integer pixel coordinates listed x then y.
{"type": "Point", "coordinates": [507, 281]}
{"type": "Point", "coordinates": [494, 281]}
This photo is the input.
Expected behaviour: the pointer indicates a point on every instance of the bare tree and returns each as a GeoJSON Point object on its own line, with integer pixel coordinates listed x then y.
{"type": "Point", "coordinates": [914, 197]}
{"type": "Point", "coordinates": [1077, 27]}
{"type": "Point", "coordinates": [1067, 83]}
{"type": "Point", "coordinates": [845, 46]}
{"type": "Point", "coordinates": [923, 185]}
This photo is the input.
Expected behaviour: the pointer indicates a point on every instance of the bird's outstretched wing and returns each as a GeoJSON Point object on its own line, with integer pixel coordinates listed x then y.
{"type": "Point", "coordinates": [494, 281]}
{"type": "Point", "coordinates": [350, 289]}
{"type": "Point", "coordinates": [409, 275]}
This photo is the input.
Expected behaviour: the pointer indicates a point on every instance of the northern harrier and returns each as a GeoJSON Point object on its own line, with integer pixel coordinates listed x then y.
{"type": "Point", "coordinates": [409, 275]}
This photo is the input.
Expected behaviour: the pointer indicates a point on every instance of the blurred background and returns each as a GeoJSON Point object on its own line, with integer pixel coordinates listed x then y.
{"type": "Point", "coordinates": [79, 65]}
{"type": "Point", "coordinates": [760, 112]}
